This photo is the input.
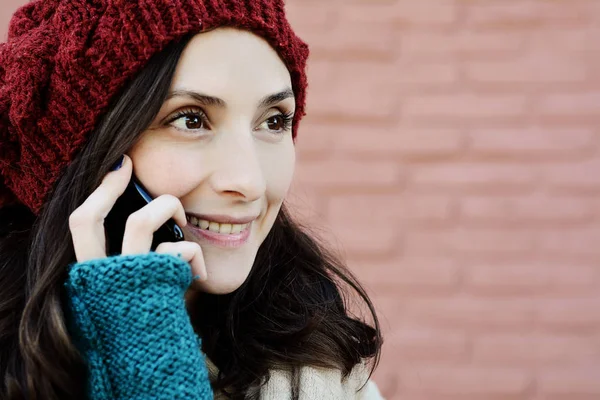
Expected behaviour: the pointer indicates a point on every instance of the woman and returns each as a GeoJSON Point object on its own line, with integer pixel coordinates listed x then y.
{"type": "Point", "coordinates": [200, 101]}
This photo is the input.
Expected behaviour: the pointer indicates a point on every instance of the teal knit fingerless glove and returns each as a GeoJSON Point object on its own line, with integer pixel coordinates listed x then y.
{"type": "Point", "coordinates": [127, 316]}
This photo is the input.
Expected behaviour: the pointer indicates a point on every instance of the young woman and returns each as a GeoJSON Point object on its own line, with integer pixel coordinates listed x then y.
{"type": "Point", "coordinates": [200, 100]}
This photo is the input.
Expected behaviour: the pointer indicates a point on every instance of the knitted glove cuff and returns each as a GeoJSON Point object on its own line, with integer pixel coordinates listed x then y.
{"type": "Point", "coordinates": [128, 317]}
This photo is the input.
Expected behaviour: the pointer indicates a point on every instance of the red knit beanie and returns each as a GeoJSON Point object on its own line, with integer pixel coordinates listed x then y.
{"type": "Point", "coordinates": [65, 60]}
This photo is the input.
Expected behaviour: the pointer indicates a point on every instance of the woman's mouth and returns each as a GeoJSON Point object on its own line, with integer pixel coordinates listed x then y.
{"type": "Point", "coordinates": [222, 235]}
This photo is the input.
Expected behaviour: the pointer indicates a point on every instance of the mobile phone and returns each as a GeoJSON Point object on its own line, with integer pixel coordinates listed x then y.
{"type": "Point", "coordinates": [134, 198]}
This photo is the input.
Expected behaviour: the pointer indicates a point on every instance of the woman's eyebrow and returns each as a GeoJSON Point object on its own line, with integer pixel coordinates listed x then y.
{"type": "Point", "coordinates": [207, 100]}
{"type": "Point", "coordinates": [199, 97]}
{"type": "Point", "coordinates": [275, 98]}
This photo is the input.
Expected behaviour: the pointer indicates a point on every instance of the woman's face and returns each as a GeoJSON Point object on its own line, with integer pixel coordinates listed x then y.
{"type": "Point", "coordinates": [222, 144]}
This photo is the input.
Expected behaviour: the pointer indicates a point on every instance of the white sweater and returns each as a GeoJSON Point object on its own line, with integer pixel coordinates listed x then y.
{"type": "Point", "coordinates": [315, 384]}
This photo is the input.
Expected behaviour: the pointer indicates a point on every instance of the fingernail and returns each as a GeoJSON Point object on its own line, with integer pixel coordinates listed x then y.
{"type": "Point", "coordinates": [197, 278]}
{"type": "Point", "coordinates": [118, 164]}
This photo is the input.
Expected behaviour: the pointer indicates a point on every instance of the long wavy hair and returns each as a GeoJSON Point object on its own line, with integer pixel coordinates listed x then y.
{"type": "Point", "coordinates": [292, 311]}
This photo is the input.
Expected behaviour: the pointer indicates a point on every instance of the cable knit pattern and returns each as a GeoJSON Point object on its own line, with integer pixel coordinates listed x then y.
{"type": "Point", "coordinates": [65, 59]}
{"type": "Point", "coordinates": [127, 316]}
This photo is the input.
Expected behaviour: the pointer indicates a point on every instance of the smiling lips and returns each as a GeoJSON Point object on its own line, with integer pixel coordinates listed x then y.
{"type": "Point", "coordinates": [214, 234]}
{"type": "Point", "coordinates": [228, 232]}
{"type": "Point", "coordinates": [222, 228]}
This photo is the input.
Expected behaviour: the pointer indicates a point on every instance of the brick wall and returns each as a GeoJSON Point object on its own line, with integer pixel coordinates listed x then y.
{"type": "Point", "coordinates": [451, 152]}
{"type": "Point", "coordinates": [451, 148]}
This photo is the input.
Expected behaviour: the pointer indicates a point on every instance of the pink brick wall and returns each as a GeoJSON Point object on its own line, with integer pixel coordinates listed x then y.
{"type": "Point", "coordinates": [452, 153]}
{"type": "Point", "coordinates": [451, 147]}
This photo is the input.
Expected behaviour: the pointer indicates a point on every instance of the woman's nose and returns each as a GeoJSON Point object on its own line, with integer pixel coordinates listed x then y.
{"type": "Point", "coordinates": [238, 171]}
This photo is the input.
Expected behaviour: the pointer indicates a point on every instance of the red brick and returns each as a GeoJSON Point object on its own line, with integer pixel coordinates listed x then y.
{"type": "Point", "coordinates": [569, 382]}
{"type": "Point", "coordinates": [531, 141]}
{"type": "Point", "coordinates": [8, 9]}
{"type": "Point", "coordinates": [386, 305]}
{"type": "Point", "coordinates": [459, 42]}
{"type": "Point", "coordinates": [305, 202]}
{"type": "Point", "coordinates": [457, 107]}
{"type": "Point", "coordinates": [361, 31]}
{"type": "Point", "coordinates": [570, 241]}
{"type": "Point", "coordinates": [535, 349]}
{"type": "Point", "coordinates": [356, 91]}
{"type": "Point", "coordinates": [502, 13]}
{"type": "Point", "coordinates": [576, 315]}
{"type": "Point", "coordinates": [530, 68]}
{"type": "Point", "coordinates": [320, 74]}
{"type": "Point", "coordinates": [426, 13]}
{"type": "Point", "coordinates": [571, 41]}
{"type": "Point", "coordinates": [524, 13]}
{"type": "Point", "coordinates": [346, 173]}
{"type": "Point", "coordinates": [367, 241]}
{"type": "Point", "coordinates": [466, 381]}
{"type": "Point", "coordinates": [472, 176]}
{"type": "Point", "coordinates": [577, 176]}
{"type": "Point", "coordinates": [430, 14]}
{"type": "Point", "coordinates": [306, 16]}
{"type": "Point", "coordinates": [575, 105]}
{"type": "Point", "coordinates": [579, 12]}
{"type": "Point", "coordinates": [318, 142]}
{"type": "Point", "coordinates": [531, 278]}
{"type": "Point", "coordinates": [425, 276]}
{"type": "Point", "coordinates": [468, 313]}
{"type": "Point", "coordinates": [422, 75]}
{"type": "Point", "coordinates": [483, 241]}
{"type": "Point", "coordinates": [386, 210]}
{"type": "Point", "coordinates": [512, 210]}
{"type": "Point", "coordinates": [406, 141]}
{"type": "Point", "coordinates": [422, 346]}
{"type": "Point", "coordinates": [386, 380]}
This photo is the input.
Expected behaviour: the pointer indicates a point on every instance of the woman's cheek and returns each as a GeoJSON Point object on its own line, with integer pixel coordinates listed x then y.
{"type": "Point", "coordinates": [279, 169]}
{"type": "Point", "coordinates": [163, 171]}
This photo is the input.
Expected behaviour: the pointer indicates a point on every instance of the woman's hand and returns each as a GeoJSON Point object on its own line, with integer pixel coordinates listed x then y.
{"type": "Point", "coordinates": [87, 223]}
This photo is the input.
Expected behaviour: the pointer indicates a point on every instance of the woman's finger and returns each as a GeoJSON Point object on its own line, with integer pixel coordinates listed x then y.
{"type": "Point", "coordinates": [87, 221]}
{"type": "Point", "coordinates": [188, 251]}
{"type": "Point", "coordinates": [141, 225]}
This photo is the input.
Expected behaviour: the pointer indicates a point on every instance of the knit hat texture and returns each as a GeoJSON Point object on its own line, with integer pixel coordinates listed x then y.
{"type": "Point", "coordinates": [65, 60]}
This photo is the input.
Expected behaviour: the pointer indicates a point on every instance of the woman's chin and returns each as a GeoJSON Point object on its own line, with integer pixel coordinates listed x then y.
{"type": "Point", "coordinates": [220, 283]}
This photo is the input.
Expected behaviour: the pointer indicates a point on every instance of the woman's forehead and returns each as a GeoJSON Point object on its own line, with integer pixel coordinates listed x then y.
{"type": "Point", "coordinates": [231, 63]}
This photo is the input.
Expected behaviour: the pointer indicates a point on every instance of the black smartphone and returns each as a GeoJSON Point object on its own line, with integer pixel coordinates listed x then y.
{"type": "Point", "coordinates": [134, 198]}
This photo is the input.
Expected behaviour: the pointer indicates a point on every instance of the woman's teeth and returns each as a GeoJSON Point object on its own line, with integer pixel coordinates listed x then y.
{"type": "Point", "coordinates": [216, 227]}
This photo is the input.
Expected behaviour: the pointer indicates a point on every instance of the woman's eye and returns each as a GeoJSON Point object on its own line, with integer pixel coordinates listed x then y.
{"type": "Point", "coordinates": [189, 120]}
{"type": "Point", "coordinates": [276, 123]}
{"type": "Point", "coordinates": [279, 122]}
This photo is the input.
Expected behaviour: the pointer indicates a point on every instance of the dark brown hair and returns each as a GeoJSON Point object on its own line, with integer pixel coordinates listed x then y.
{"type": "Point", "coordinates": [291, 311]}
